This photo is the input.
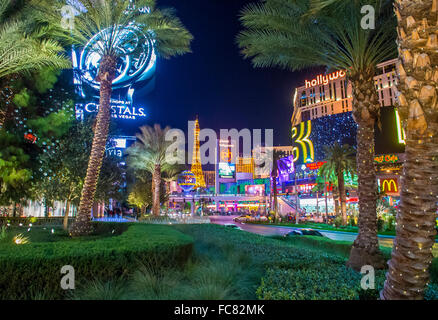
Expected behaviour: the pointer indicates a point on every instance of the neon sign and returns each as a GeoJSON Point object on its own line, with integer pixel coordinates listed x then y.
{"type": "Point", "coordinates": [301, 137]}
{"type": "Point", "coordinates": [322, 79]}
{"type": "Point", "coordinates": [30, 137]}
{"type": "Point", "coordinates": [400, 132]}
{"type": "Point", "coordinates": [388, 185]}
{"type": "Point", "coordinates": [306, 188]}
{"type": "Point", "coordinates": [119, 110]}
{"type": "Point", "coordinates": [315, 165]}
{"type": "Point", "coordinates": [387, 158]}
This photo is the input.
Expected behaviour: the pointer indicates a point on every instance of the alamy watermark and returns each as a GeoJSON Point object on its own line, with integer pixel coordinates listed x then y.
{"type": "Point", "coordinates": [68, 280]}
{"type": "Point", "coordinates": [230, 145]}
{"type": "Point", "coordinates": [368, 21]}
{"type": "Point", "coordinates": [368, 280]}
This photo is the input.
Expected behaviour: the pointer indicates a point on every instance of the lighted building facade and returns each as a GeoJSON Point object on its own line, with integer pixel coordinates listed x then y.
{"type": "Point", "coordinates": [323, 115]}
{"type": "Point", "coordinates": [332, 94]}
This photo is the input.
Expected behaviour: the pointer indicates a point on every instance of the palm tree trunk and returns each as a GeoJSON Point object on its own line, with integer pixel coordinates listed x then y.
{"type": "Point", "coordinates": [82, 225]}
{"type": "Point", "coordinates": [67, 211]}
{"type": "Point", "coordinates": [415, 235]}
{"type": "Point", "coordinates": [335, 196]}
{"type": "Point", "coordinates": [156, 178]}
{"type": "Point", "coordinates": [342, 197]}
{"type": "Point", "coordinates": [366, 108]}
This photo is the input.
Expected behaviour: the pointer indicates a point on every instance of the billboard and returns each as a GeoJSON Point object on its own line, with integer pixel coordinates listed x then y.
{"type": "Point", "coordinates": [227, 170]}
{"type": "Point", "coordinates": [135, 71]}
{"type": "Point", "coordinates": [256, 190]}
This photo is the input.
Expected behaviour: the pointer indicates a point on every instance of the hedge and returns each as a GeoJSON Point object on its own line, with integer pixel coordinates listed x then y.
{"type": "Point", "coordinates": [31, 269]}
{"type": "Point", "coordinates": [15, 221]}
{"type": "Point", "coordinates": [325, 282]}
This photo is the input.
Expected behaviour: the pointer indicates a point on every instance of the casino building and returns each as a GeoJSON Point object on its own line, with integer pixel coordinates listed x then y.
{"type": "Point", "coordinates": [322, 116]}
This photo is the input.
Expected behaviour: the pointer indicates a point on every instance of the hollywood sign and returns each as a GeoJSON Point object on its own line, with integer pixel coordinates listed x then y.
{"type": "Point", "coordinates": [325, 79]}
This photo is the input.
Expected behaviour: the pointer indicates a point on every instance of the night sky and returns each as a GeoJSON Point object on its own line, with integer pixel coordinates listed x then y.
{"type": "Point", "coordinates": [215, 82]}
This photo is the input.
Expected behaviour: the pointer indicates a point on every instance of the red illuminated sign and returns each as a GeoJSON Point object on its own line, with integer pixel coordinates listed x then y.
{"type": "Point", "coordinates": [386, 158]}
{"type": "Point", "coordinates": [315, 165]}
{"type": "Point", "coordinates": [306, 187]}
{"type": "Point", "coordinates": [322, 79]}
{"type": "Point", "coordinates": [30, 137]}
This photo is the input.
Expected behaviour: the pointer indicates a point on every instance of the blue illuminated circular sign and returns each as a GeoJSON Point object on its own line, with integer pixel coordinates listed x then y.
{"type": "Point", "coordinates": [137, 57]}
{"type": "Point", "coordinates": [187, 181]}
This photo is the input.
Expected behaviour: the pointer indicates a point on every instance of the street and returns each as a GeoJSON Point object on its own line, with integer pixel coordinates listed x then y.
{"type": "Point", "coordinates": [267, 230]}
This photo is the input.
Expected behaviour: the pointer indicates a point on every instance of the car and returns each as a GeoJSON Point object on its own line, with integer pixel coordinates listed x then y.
{"type": "Point", "coordinates": [304, 232]}
{"type": "Point", "coordinates": [243, 217]}
{"type": "Point", "coordinates": [232, 226]}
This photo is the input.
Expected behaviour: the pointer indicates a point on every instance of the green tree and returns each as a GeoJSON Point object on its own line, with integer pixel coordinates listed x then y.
{"type": "Point", "coordinates": [149, 154]}
{"type": "Point", "coordinates": [141, 196]}
{"type": "Point", "coordinates": [415, 234]}
{"type": "Point", "coordinates": [301, 34]}
{"type": "Point", "coordinates": [42, 110]}
{"type": "Point", "coordinates": [67, 167]}
{"type": "Point", "coordinates": [340, 161]}
{"type": "Point", "coordinates": [109, 20]}
{"type": "Point", "coordinates": [324, 180]}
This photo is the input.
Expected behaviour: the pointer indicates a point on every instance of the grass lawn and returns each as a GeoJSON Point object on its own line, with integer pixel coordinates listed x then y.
{"type": "Point", "coordinates": [233, 264]}
{"type": "Point", "coordinates": [215, 262]}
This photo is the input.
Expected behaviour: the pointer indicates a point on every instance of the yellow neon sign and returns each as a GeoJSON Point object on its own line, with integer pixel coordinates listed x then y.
{"type": "Point", "coordinates": [305, 143]}
{"type": "Point", "coordinates": [389, 185]}
{"type": "Point", "coordinates": [400, 132]}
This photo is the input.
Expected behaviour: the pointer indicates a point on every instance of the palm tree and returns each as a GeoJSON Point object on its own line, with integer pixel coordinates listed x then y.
{"type": "Point", "coordinates": [109, 21]}
{"type": "Point", "coordinates": [23, 51]}
{"type": "Point", "coordinates": [171, 174]}
{"type": "Point", "coordinates": [149, 154]}
{"type": "Point", "coordinates": [415, 235]}
{"type": "Point", "coordinates": [340, 160]}
{"type": "Point", "coordinates": [300, 34]}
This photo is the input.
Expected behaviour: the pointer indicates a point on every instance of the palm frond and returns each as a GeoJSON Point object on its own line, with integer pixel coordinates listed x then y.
{"type": "Point", "coordinates": [22, 51]}
{"type": "Point", "coordinates": [110, 19]}
{"type": "Point", "coordinates": [297, 34]}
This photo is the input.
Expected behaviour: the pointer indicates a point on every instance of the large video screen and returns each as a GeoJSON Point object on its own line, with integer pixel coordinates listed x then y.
{"type": "Point", "coordinates": [227, 170]}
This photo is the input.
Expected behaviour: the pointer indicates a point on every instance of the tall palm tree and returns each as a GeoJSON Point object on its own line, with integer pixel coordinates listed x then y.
{"type": "Point", "coordinates": [23, 49]}
{"type": "Point", "coordinates": [298, 34]}
{"type": "Point", "coordinates": [109, 21]}
{"type": "Point", "coordinates": [415, 235]}
{"type": "Point", "coordinates": [149, 153]}
{"type": "Point", "coordinates": [340, 160]}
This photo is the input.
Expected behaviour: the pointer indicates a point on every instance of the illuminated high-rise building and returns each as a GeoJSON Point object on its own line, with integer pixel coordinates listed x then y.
{"type": "Point", "coordinates": [196, 161]}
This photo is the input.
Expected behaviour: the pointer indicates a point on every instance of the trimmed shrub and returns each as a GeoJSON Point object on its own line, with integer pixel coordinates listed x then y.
{"type": "Point", "coordinates": [15, 221]}
{"type": "Point", "coordinates": [35, 267]}
{"type": "Point", "coordinates": [324, 281]}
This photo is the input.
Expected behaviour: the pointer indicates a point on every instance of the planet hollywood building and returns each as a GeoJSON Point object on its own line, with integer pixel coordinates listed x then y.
{"type": "Point", "coordinates": [322, 116]}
